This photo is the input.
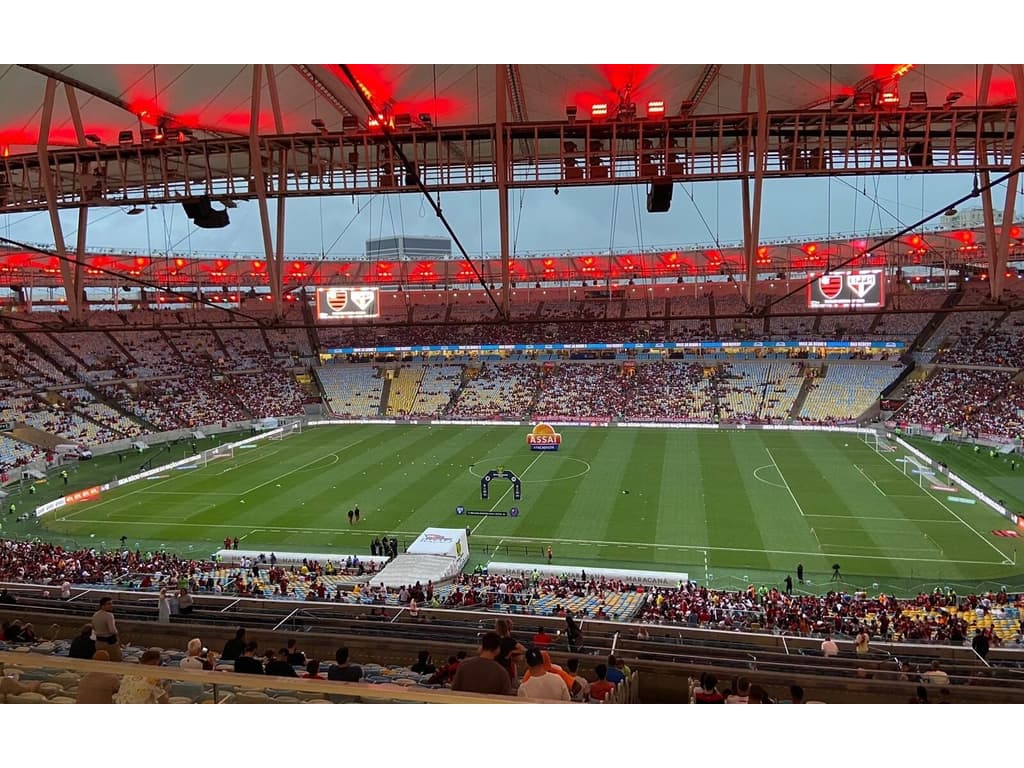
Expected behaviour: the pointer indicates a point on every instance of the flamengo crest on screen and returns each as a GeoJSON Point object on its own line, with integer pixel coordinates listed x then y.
{"type": "Point", "coordinates": [346, 302]}
{"type": "Point", "coordinates": [543, 438]}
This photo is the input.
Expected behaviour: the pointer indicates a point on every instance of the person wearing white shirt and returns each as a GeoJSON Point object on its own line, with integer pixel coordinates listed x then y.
{"type": "Point", "coordinates": [193, 660]}
{"type": "Point", "coordinates": [541, 683]}
{"type": "Point", "coordinates": [829, 647]}
{"type": "Point", "coordinates": [935, 676]}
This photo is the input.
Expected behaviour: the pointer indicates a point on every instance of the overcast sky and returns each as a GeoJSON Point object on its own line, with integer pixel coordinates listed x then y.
{"type": "Point", "coordinates": [594, 219]}
{"type": "Point", "coordinates": [598, 219]}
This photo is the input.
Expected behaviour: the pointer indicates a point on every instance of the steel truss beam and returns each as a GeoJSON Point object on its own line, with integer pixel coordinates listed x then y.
{"type": "Point", "coordinates": [702, 148]}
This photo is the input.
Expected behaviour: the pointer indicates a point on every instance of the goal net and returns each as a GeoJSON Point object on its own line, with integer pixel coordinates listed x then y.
{"type": "Point", "coordinates": [215, 454]}
{"type": "Point", "coordinates": [879, 443]}
{"type": "Point", "coordinates": [287, 430]}
{"type": "Point", "coordinates": [919, 472]}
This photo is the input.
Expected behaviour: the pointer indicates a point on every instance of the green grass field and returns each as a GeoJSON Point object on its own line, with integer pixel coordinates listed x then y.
{"type": "Point", "coordinates": [727, 507]}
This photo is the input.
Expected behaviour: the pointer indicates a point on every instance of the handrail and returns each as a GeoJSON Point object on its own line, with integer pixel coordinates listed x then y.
{"type": "Point", "coordinates": [282, 621]}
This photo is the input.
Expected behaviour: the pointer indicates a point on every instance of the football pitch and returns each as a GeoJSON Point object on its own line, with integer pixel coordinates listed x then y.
{"type": "Point", "coordinates": [728, 507]}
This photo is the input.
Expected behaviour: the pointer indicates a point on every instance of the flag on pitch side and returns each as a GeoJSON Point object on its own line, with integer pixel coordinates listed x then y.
{"type": "Point", "coordinates": [1007, 534]}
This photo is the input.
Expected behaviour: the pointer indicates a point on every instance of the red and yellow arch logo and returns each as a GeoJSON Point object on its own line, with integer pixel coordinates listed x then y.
{"type": "Point", "coordinates": [543, 438]}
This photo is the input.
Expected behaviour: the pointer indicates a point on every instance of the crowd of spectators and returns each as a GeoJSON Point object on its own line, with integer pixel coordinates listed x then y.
{"type": "Point", "coordinates": [953, 398]}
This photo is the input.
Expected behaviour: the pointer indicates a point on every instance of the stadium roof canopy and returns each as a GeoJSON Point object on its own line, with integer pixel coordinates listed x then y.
{"type": "Point", "coordinates": [81, 136]}
{"type": "Point", "coordinates": [213, 100]}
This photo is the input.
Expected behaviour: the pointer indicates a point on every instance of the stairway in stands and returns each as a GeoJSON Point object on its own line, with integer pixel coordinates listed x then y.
{"type": "Point", "coordinates": [805, 390]}
{"type": "Point", "coordinates": [385, 395]}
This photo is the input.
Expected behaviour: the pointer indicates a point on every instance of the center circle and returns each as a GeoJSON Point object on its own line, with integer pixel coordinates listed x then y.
{"type": "Point", "coordinates": [494, 464]}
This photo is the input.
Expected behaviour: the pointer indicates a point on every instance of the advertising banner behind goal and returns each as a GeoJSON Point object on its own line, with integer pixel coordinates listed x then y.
{"type": "Point", "coordinates": [852, 289]}
{"type": "Point", "coordinates": [345, 303]}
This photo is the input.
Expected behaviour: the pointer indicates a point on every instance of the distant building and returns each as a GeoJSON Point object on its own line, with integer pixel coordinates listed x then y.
{"type": "Point", "coordinates": [405, 248]}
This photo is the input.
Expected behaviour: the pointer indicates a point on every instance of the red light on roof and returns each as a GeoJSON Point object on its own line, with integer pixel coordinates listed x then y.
{"type": "Point", "coordinates": [1015, 233]}
{"type": "Point", "coordinates": [141, 261]}
{"type": "Point", "coordinates": [713, 256]}
{"type": "Point", "coordinates": [599, 110]}
{"type": "Point", "coordinates": [915, 241]}
{"type": "Point", "coordinates": [655, 108]}
{"type": "Point", "coordinates": [889, 97]}
{"type": "Point", "coordinates": [588, 261]}
{"type": "Point", "coordinates": [966, 237]}
{"type": "Point", "coordinates": [179, 263]}
{"type": "Point", "coordinates": [672, 258]}
{"type": "Point", "coordinates": [549, 263]}
{"type": "Point", "coordinates": [298, 266]}
{"type": "Point", "coordinates": [810, 249]}
{"type": "Point", "coordinates": [902, 69]}
{"type": "Point", "coordinates": [220, 264]}
{"type": "Point", "coordinates": [257, 266]}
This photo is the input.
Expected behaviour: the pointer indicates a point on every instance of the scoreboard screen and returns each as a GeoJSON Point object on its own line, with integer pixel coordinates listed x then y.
{"type": "Point", "coordinates": [854, 289]}
{"type": "Point", "coordinates": [343, 303]}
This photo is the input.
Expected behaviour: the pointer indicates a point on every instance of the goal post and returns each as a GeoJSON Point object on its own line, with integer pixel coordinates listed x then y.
{"type": "Point", "coordinates": [287, 430]}
{"type": "Point", "coordinates": [917, 471]}
{"type": "Point", "coordinates": [226, 451]}
{"type": "Point", "coordinates": [877, 442]}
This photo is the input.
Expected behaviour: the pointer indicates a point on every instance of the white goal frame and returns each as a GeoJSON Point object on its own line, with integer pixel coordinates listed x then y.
{"type": "Point", "coordinates": [226, 451]}
{"type": "Point", "coordinates": [285, 431]}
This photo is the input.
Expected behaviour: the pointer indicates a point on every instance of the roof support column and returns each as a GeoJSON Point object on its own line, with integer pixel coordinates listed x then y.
{"type": "Point", "coordinates": [259, 183]}
{"type": "Point", "coordinates": [752, 208]}
{"type": "Point", "coordinates": [999, 254]}
{"type": "Point", "coordinates": [71, 290]}
{"type": "Point", "coordinates": [981, 152]}
{"type": "Point", "coordinates": [501, 177]}
{"type": "Point", "coordinates": [83, 212]}
{"type": "Point", "coordinates": [275, 104]}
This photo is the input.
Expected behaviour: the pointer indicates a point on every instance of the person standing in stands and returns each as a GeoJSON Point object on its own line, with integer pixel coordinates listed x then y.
{"type": "Point", "coordinates": [482, 673]}
{"type": "Point", "coordinates": [980, 643]}
{"type": "Point", "coordinates": [234, 647]}
{"type": "Point", "coordinates": [104, 629]}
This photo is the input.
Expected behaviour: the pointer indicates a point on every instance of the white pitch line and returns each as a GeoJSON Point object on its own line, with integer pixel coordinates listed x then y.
{"type": "Point", "coordinates": [581, 542]}
{"type": "Point", "coordinates": [893, 519]}
{"type": "Point", "coordinates": [149, 488]}
{"type": "Point", "coordinates": [308, 463]}
{"type": "Point", "coordinates": [539, 454]}
{"type": "Point", "coordinates": [875, 484]}
{"type": "Point", "coordinates": [1006, 560]}
{"type": "Point", "coordinates": [786, 484]}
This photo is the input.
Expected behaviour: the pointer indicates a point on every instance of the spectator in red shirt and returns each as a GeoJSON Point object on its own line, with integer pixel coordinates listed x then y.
{"type": "Point", "coordinates": [542, 639]}
{"type": "Point", "coordinates": [600, 688]}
